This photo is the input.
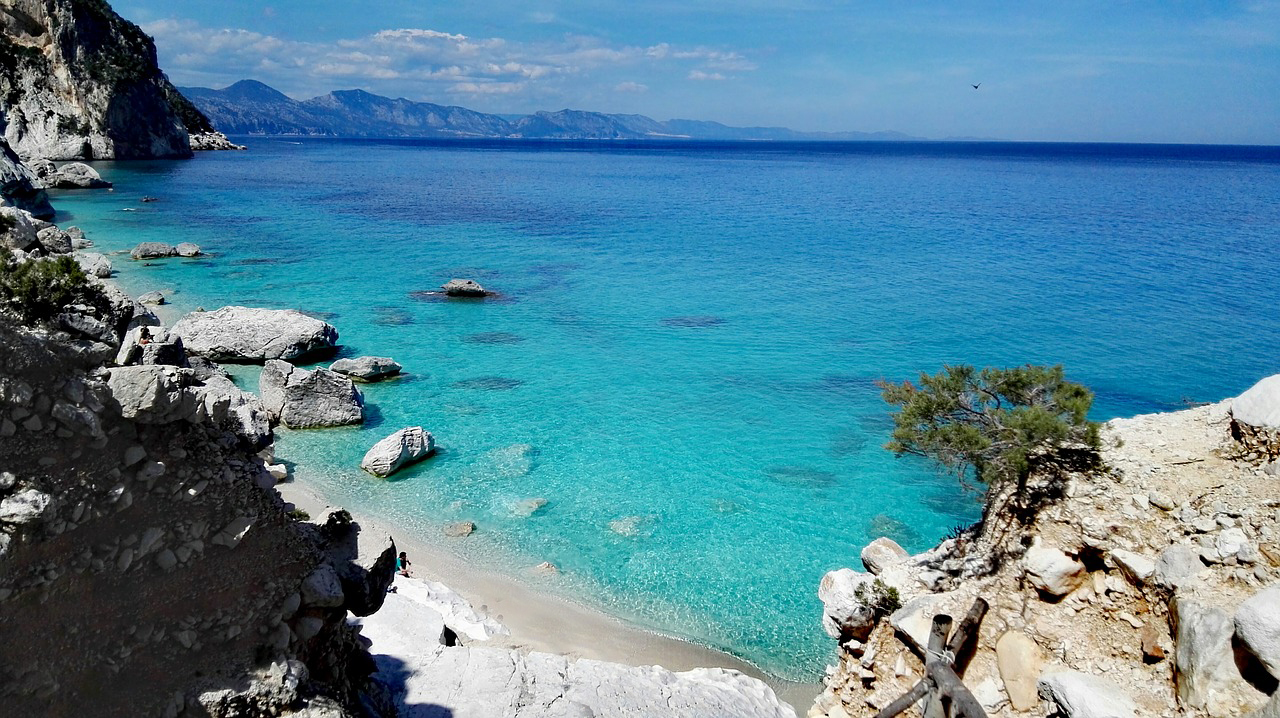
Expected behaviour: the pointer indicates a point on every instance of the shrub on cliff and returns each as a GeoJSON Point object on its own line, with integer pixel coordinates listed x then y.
{"type": "Point", "coordinates": [37, 290]}
{"type": "Point", "coordinates": [1000, 423]}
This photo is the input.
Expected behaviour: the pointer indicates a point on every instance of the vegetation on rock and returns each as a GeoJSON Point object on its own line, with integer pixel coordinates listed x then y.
{"type": "Point", "coordinates": [1000, 423]}
{"type": "Point", "coordinates": [882, 598]}
{"type": "Point", "coordinates": [37, 290]}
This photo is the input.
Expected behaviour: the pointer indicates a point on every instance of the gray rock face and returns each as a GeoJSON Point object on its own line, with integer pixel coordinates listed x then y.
{"type": "Point", "coordinates": [211, 141]}
{"type": "Point", "coordinates": [367, 368]}
{"type": "Point", "coordinates": [187, 249]}
{"type": "Point", "coordinates": [302, 399]}
{"type": "Point", "coordinates": [19, 186]}
{"type": "Point", "coordinates": [1177, 565]}
{"type": "Point", "coordinates": [54, 240]}
{"type": "Point", "coordinates": [484, 682]}
{"type": "Point", "coordinates": [881, 554]}
{"type": "Point", "coordinates": [1260, 405]}
{"type": "Point", "coordinates": [94, 264]}
{"type": "Point", "coordinates": [86, 86]}
{"type": "Point", "coordinates": [844, 613]}
{"type": "Point", "coordinates": [153, 250]}
{"type": "Point", "coordinates": [1080, 695]}
{"type": "Point", "coordinates": [18, 229]}
{"type": "Point", "coordinates": [1258, 627]}
{"type": "Point", "coordinates": [400, 449]}
{"type": "Point", "coordinates": [75, 175]}
{"type": "Point", "coordinates": [24, 507]}
{"type": "Point", "coordinates": [241, 334]}
{"type": "Point", "coordinates": [154, 394]}
{"type": "Point", "coordinates": [463, 288]}
{"type": "Point", "coordinates": [1204, 666]}
{"type": "Point", "coordinates": [160, 347]}
{"type": "Point", "coordinates": [154, 298]}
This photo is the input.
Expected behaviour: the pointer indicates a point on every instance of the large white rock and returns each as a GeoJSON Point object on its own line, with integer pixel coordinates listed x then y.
{"type": "Point", "coordinates": [18, 229]}
{"type": "Point", "coordinates": [881, 554]}
{"type": "Point", "coordinates": [844, 612]}
{"type": "Point", "coordinates": [1080, 695]}
{"type": "Point", "coordinates": [400, 449]}
{"type": "Point", "coordinates": [24, 507]}
{"type": "Point", "coordinates": [484, 682]}
{"type": "Point", "coordinates": [93, 264]}
{"type": "Point", "coordinates": [1135, 567]}
{"type": "Point", "coordinates": [1258, 627]}
{"type": "Point", "coordinates": [1205, 672]}
{"type": "Point", "coordinates": [1052, 571]}
{"type": "Point", "coordinates": [1019, 660]}
{"type": "Point", "coordinates": [76, 175]}
{"type": "Point", "coordinates": [302, 399]}
{"type": "Point", "coordinates": [1177, 565]}
{"type": "Point", "coordinates": [254, 335]}
{"type": "Point", "coordinates": [155, 394]}
{"type": "Point", "coordinates": [415, 607]}
{"type": "Point", "coordinates": [19, 185]}
{"type": "Point", "coordinates": [1260, 405]}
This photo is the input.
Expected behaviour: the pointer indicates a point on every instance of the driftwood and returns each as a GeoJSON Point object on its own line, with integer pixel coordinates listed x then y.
{"type": "Point", "coordinates": [943, 693]}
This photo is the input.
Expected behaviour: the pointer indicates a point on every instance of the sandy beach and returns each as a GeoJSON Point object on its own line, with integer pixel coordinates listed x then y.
{"type": "Point", "coordinates": [544, 622]}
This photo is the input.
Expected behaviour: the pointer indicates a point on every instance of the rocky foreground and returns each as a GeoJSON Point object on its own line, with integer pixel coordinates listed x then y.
{"type": "Point", "coordinates": [1145, 588]}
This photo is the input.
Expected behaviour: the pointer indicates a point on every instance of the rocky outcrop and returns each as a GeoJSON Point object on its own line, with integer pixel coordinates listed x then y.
{"type": "Point", "coordinates": [168, 531]}
{"type": "Point", "coordinates": [1255, 420]}
{"type": "Point", "coordinates": [19, 186]}
{"type": "Point", "coordinates": [212, 141]}
{"type": "Point", "coordinates": [398, 450]}
{"type": "Point", "coordinates": [302, 399]}
{"type": "Point", "coordinates": [80, 82]}
{"type": "Point", "coordinates": [1139, 588]}
{"type": "Point", "coordinates": [72, 175]}
{"type": "Point", "coordinates": [881, 554]}
{"type": "Point", "coordinates": [241, 334]}
{"type": "Point", "coordinates": [463, 288]}
{"type": "Point", "coordinates": [19, 229]}
{"type": "Point", "coordinates": [367, 368]}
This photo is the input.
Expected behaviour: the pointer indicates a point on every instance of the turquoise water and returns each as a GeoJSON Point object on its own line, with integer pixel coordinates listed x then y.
{"type": "Point", "coordinates": [689, 336]}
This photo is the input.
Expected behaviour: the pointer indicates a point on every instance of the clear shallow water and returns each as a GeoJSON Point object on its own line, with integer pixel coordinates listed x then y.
{"type": "Point", "coordinates": [690, 335]}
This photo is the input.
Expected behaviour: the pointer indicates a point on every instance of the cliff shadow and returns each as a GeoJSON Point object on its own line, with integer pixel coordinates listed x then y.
{"type": "Point", "coordinates": [394, 675]}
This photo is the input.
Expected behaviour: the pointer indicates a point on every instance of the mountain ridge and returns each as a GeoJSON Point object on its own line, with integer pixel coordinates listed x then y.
{"type": "Point", "coordinates": [250, 107]}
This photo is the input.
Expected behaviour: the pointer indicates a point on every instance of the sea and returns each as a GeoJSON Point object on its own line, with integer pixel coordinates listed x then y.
{"type": "Point", "coordinates": [684, 355]}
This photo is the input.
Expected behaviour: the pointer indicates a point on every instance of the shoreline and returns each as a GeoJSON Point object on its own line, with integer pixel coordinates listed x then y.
{"type": "Point", "coordinates": [542, 621]}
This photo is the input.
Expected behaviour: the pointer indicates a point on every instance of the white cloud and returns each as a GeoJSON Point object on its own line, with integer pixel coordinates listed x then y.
{"type": "Point", "coordinates": [423, 63]}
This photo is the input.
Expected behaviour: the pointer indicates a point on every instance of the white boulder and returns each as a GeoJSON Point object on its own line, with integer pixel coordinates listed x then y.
{"type": "Point", "coordinates": [302, 399]}
{"type": "Point", "coordinates": [463, 288]}
{"type": "Point", "coordinates": [24, 507]}
{"type": "Point", "coordinates": [1257, 626]}
{"type": "Point", "coordinates": [1260, 405]}
{"type": "Point", "coordinates": [845, 612]}
{"type": "Point", "coordinates": [400, 449]}
{"type": "Point", "coordinates": [1080, 695]}
{"type": "Point", "coordinates": [881, 554]}
{"type": "Point", "coordinates": [93, 264]}
{"type": "Point", "coordinates": [152, 250]}
{"type": "Point", "coordinates": [253, 335]}
{"type": "Point", "coordinates": [1052, 571]}
{"type": "Point", "coordinates": [1135, 567]}
{"type": "Point", "coordinates": [367, 368]}
{"type": "Point", "coordinates": [75, 175]}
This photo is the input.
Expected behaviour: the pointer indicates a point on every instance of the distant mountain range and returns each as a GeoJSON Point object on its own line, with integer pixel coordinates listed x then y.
{"type": "Point", "coordinates": [251, 108]}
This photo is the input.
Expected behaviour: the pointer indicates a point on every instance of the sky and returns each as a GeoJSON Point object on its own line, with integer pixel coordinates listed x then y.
{"type": "Point", "coordinates": [1083, 70]}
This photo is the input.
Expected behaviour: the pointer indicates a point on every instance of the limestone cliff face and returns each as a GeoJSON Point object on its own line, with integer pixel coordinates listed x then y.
{"type": "Point", "coordinates": [77, 81]}
{"type": "Point", "coordinates": [19, 186]}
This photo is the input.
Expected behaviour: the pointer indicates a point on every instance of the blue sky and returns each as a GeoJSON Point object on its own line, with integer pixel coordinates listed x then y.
{"type": "Point", "coordinates": [1179, 71]}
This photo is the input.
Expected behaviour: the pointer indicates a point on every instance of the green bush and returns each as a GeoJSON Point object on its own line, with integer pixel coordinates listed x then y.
{"type": "Point", "coordinates": [37, 290]}
{"type": "Point", "coordinates": [999, 423]}
{"type": "Point", "coordinates": [880, 596]}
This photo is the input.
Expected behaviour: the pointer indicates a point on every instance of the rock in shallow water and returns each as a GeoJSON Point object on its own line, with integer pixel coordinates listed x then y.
{"type": "Point", "coordinates": [302, 399]}
{"type": "Point", "coordinates": [398, 450]}
{"type": "Point", "coordinates": [367, 368]}
{"type": "Point", "coordinates": [253, 335]}
{"type": "Point", "coordinates": [153, 250]}
{"type": "Point", "coordinates": [463, 288]}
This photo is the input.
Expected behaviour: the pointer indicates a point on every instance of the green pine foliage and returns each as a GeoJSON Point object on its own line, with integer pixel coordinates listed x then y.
{"type": "Point", "coordinates": [998, 424]}
{"type": "Point", "coordinates": [37, 290]}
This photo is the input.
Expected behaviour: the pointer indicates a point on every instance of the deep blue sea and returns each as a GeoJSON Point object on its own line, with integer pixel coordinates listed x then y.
{"type": "Point", "coordinates": [683, 361]}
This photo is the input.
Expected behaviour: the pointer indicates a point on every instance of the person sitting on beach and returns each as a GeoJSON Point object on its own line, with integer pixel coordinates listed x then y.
{"type": "Point", "coordinates": [403, 564]}
{"type": "Point", "coordinates": [144, 336]}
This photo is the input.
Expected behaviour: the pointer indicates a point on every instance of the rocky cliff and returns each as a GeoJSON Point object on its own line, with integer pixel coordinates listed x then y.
{"type": "Point", "coordinates": [77, 81]}
{"type": "Point", "coordinates": [20, 187]}
{"type": "Point", "coordinates": [1145, 585]}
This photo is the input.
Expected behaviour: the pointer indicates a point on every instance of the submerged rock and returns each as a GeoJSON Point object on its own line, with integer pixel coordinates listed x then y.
{"type": "Point", "coordinates": [460, 529]}
{"type": "Point", "coordinates": [302, 399]}
{"type": "Point", "coordinates": [398, 450]}
{"type": "Point", "coordinates": [254, 335]}
{"type": "Point", "coordinates": [367, 368]}
{"type": "Point", "coordinates": [463, 288]}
